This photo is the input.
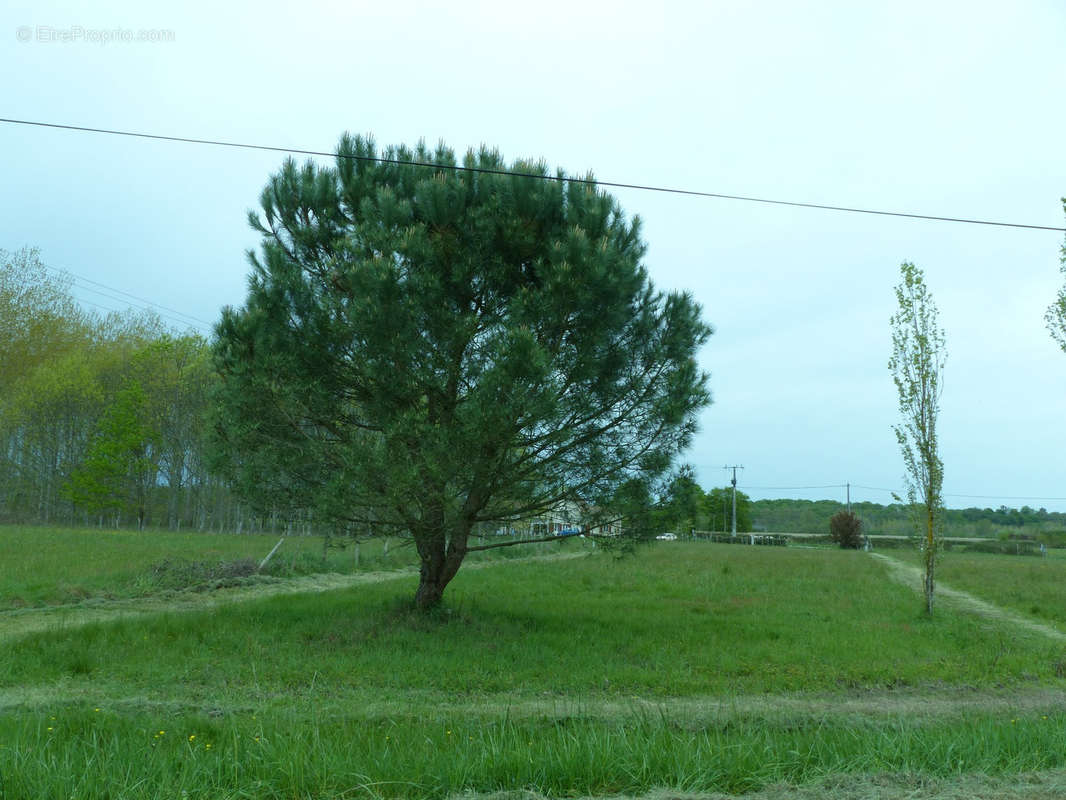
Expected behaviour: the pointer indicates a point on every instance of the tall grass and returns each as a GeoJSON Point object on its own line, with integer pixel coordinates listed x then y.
{"type": "Point", "coordinates": [1031, 586]}
{"type": "Point", "coordinates": [83, 753]}
{"type": "Point", "coordinates": [527, 679]}
{"type": "Point", "coordinates": [54, 566]}
{"type": "Point", "coordinates": [681, 620]}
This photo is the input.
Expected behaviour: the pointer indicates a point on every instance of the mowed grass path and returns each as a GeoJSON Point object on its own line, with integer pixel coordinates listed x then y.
{"type": "Point", "coordinates": [350, 693]}
{"type": "Point", "coordinates": [1029, 585]}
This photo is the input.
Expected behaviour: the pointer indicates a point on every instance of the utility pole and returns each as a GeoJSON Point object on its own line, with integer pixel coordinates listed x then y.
{"type": "Point", "coordinates": [849, 496]}
{"type": "Point", "coordinates": [734, 467]}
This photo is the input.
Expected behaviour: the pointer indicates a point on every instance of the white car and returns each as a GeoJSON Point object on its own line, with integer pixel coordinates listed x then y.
{"type": "Point", "coordinates": [667, 537]}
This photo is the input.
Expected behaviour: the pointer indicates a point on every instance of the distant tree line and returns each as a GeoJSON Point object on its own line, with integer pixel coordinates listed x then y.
{"type": "Point", "coordinates": [685, 507]}
{"type": "Point", "coordinates": [101, 417]}
{"type": "Point", "coordinates": [812, 516]}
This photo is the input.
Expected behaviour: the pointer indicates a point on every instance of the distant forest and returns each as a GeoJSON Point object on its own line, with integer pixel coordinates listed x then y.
{"type": "Point", "coordinates": [812, 516]}
{"type": "Point", "coordinates": [101, 416]}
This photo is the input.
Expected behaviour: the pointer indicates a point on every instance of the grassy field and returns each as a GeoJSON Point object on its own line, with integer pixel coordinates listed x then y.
{"type": "Point", "coordinates": [694, 667]}
{"type": "Point", "coordinates": [54, 566]}
{"type": "Point", "coordinates": [1026, 584]}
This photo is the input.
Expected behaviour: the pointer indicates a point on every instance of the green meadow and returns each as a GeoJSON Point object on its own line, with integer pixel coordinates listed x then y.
{"type": "Point", "coordinates": [58, 566]}
{"type": "Point", "coordinates": [1025, 584]}
{"type": "Point", "coordinates": [690, 667]}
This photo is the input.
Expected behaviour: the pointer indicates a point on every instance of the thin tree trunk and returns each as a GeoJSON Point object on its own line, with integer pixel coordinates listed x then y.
{"type": "Point", "coordinates": [930, 562]}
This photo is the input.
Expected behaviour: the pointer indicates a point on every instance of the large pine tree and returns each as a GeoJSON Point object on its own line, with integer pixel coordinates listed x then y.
{"type": "Point", "coordinates": [424, 348]}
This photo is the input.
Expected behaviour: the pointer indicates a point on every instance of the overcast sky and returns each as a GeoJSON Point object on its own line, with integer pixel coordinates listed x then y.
{"type": "Point", "coordinates": [942, 108]}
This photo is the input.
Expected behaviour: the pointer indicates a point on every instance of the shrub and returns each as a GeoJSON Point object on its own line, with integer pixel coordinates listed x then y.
{"type": "Point", "coordinates": [1053, 538]}
{"type": "Point", "coordinates": [846, 530]}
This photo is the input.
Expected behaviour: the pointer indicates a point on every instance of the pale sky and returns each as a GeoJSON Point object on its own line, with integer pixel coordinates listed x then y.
{"type": "Point", "coordinates": [942, 108]}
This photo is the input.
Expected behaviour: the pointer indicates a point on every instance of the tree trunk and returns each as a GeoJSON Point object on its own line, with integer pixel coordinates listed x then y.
{"type": "Point", "coordinates": [439, 563]}
{"type": "Point", "coordinates": [430, 588]}
{"type": "Point", "coordinates": [930, 562]}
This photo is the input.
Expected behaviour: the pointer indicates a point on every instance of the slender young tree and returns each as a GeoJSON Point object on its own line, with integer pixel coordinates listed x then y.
{"type": "Point", "coordinates": [1056, 313]}
{"type": "Point", "coordinates": [425, 348]}
{"type": "Point", "coordinates": [917, 367]}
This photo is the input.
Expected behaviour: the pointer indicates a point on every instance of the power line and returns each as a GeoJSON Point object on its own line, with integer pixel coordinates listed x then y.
{"type": "Point", "coordinates": [143, 304]}
{"type": "Point", "coordinates": [968, 496]}
{"type": "Point", "coordinates": [488, 171]}
{"type": "Point", "coordinates": [1003, 497]}
{"type": "Point", "coordinates": [794, 488]}
{"type": "Point", "coordinates": [108, 309]}
{"type": "Point", "coordinates": [150, 308]}
{"type": "Point", "coordinates": [151, 304]}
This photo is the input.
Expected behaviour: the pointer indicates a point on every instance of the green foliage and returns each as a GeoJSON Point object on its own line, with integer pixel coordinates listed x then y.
{"type": "Point", "coordinates": [422, 350]}
{"type": "Point", "coordinates": [917, 364]}
{"type": "Point", "coordinates": [1053, 537]}
{"type": "Point", "coordinates": [65, 377]}
{"type": "Point", "coordinates": [119, 468]}
{"type": "Point", "coordinates": [682, 506]}
{"type": "Point", "coordinates": [41, 328]}
{"type": "Point", "coordinates": [39, 319]}
{"type": "Point", "coordinates": [1056, 313]}
{"type": "Point", "coordinates": [718, 508]}
{"type": "Point", "coordinates": [845, 529]}
{"type": "Point", "coordinates": [812, 516]}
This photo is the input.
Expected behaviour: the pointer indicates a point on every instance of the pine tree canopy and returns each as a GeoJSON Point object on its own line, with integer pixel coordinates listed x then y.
{"type": "Point", "coordinates": [426, 348]}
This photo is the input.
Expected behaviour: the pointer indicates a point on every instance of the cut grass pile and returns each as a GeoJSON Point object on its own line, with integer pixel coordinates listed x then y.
{"type": "Point", "coordinates": [565, 678]}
